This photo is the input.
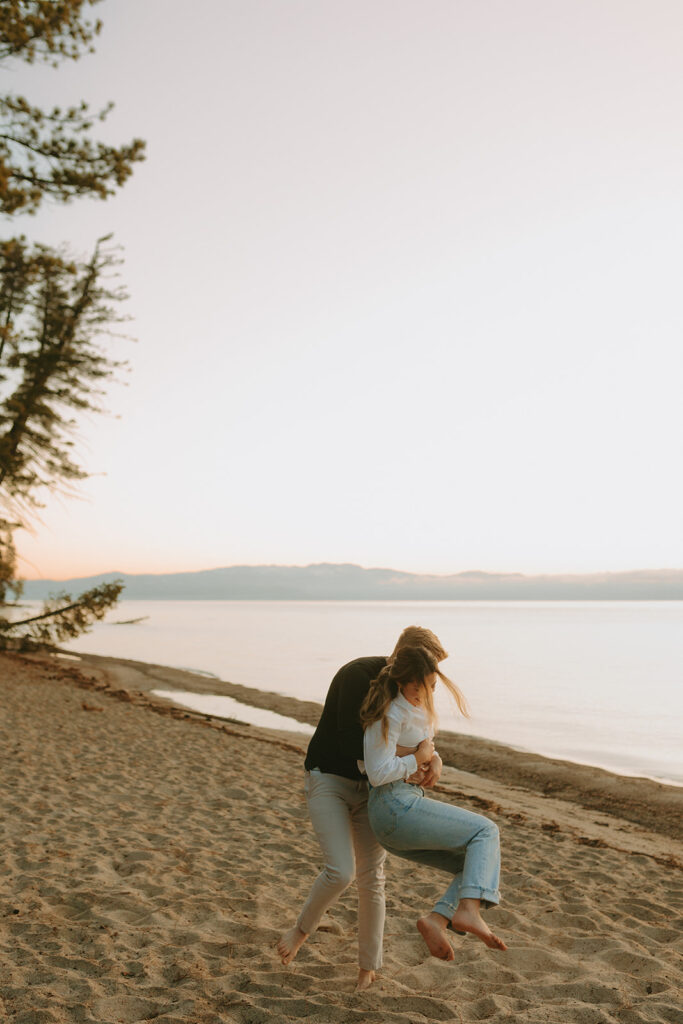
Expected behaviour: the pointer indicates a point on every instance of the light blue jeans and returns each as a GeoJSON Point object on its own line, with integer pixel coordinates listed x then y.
{"type": "Point", "coordinates": [466, 845]}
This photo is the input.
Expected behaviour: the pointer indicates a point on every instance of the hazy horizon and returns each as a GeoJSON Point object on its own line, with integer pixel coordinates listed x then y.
{"type": "Point", "coordinates": [387, 568]}
{"type": "Point", "coordinates": [365, 568]}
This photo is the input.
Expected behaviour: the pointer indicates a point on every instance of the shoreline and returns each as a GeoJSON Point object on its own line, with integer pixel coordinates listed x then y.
{"type": "Point", "coordinates": [152, 856]}
{"type": "Point", "coordinates": [585, 706]}
{"type": "Point", "coordinates": [654, 805]}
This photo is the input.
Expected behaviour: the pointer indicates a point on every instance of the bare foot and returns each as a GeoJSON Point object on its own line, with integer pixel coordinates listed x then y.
{"type": "Point", "coordinates": [290, 944]}
{"type": "Point", "coordinates": [468, 919]}
{"type": "Point", "coordinates": [432, 928]}
{"type": "Point", "coordinates": [365, 980]}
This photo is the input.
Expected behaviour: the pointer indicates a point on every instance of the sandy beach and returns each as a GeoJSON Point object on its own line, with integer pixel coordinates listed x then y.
{"type": "Point", "coordinates": [151, 858]}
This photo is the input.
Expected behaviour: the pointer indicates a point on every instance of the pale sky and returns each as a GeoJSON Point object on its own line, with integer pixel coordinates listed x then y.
{"type": "Point", "coordinates": [406, 283]}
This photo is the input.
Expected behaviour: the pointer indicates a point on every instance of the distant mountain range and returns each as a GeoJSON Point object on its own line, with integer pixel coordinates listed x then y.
{"type": "Point", "coordinates": [325, 582]}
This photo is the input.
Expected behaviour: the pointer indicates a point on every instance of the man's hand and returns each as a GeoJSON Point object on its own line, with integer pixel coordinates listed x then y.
{"type": "Point", "coordinates": [432, 772]}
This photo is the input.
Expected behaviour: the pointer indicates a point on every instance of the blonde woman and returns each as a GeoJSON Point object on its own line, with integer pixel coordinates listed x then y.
{"type": "Point", "coordinates": [337, 795]}
{"type": "Point", "coordinates": [398, 712]}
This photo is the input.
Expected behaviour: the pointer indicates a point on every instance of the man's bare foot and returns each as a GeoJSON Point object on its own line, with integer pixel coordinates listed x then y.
{"type": "Point", "coordinates": [432, 928]}
{"type": "Point", "coordinates": [467, 918]}
{"type": "Point", "coordinates": [290, 944]}
{"type": "Point", "coordinates": [365, 980]}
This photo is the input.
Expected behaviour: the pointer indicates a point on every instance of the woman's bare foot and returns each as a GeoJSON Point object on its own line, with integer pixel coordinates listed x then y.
{"type": "Point", "coordinates": [467, 918]}
{"type": "Point", "coordinates": [290, 944]}
{"type": "Point", "coordinates": [432, 928]}
{"type": "Point", "coordinates": [365, 980]}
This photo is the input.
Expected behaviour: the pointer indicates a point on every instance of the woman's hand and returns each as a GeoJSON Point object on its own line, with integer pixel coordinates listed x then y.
{"type": "Point", "coordinates": [424, 752]}
{"type": "Point", "coordinates": [432, 772]}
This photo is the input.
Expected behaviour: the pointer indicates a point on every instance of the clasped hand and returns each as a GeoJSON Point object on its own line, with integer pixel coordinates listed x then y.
{"type": "Point", "coordinates": [429, 771]}
{"type": "Point", "coordinates": [427, 775]}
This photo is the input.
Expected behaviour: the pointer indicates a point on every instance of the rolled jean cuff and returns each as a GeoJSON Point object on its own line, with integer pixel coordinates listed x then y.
{"type": "Point", "coordinates": [445, 909]}
{"type": "Point", "coordinates": [489, 897]}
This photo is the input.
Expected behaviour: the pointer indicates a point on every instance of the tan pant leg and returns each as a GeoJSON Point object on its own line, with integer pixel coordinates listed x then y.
{"type": "Point", "coordinates": [338, 809]}
{"type": "Point", "coordinates": [329, 802]}
{"type": "Point", "coordinates": [370, 857]}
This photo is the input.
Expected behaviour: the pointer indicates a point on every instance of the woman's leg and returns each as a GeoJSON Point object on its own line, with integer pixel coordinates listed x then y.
{"type": "Point", "coordinates": [433, 926]}
{"type": "Point", "coordinates": [329, 802]}
{"type": "Point", "coordinates": [450, 839]}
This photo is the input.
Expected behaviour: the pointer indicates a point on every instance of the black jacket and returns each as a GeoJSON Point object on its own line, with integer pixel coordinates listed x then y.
{"type": "Point", "coordinates": [337, 743]}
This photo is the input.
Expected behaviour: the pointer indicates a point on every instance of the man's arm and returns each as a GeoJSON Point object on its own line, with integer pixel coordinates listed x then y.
{"type": "Point", "coordinates": [353, 686]}
{"type": "Point", "coordinates": [403, 751]}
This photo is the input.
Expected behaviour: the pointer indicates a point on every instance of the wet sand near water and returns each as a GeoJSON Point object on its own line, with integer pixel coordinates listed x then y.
{"type": "Point", "coordinates": [642, 801]}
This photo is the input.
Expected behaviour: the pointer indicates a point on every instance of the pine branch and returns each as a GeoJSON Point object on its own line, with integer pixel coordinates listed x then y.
{"type": "Point", "coordinates": [45, 615]}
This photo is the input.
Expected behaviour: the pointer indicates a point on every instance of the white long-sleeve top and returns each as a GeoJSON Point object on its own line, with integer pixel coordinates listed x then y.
{"type": "Point", "coordinates": [408, 726]}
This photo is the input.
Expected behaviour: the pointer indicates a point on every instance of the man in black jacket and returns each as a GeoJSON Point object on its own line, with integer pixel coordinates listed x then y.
{"type": "Point", "coordinates": [337, 795]}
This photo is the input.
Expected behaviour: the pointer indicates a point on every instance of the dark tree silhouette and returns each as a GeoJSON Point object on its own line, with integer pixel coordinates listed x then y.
{"type": "Point", "coordinates": [54, 311]}
{"type": "Point", "coordinates": [50, 153]}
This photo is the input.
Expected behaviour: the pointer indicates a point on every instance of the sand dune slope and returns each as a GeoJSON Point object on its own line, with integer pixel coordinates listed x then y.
{"type": "Point", "coordinates": [150, 861]}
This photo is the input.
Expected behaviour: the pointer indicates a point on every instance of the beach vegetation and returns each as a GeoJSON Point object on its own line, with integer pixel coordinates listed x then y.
{"type": "Point", "coordinates": [55, 311]}
{"type": "Point", "coordinates": [62, 618]}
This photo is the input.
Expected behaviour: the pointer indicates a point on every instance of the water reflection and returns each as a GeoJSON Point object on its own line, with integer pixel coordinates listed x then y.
{"type": "Point", "coordinates": [227, 707]}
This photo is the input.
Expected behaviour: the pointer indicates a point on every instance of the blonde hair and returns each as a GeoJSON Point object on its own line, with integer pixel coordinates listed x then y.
{"type": "Point", "coordinates": [418, 636]}
{"type": "Point", "coordinates": [409, 664]}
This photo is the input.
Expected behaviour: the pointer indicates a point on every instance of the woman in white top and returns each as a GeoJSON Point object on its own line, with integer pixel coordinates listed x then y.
{"type": "Point", "coordinates": [398, 717]}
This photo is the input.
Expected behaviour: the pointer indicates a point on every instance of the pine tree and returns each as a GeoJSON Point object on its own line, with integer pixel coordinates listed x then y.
{"type": "Point", "coordinates": [54, 311]}
{"type": "Point", "coordinates": [50, 153]}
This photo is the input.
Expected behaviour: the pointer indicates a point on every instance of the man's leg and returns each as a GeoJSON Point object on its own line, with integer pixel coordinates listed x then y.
{"type": "Point", "coordinates": [328, 799]}
{"type": "Point", "coordinates": [370, 857]}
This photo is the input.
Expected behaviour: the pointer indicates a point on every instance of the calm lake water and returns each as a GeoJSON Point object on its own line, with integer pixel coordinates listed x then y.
{"type": "Point", "coordinates": [596, 682]}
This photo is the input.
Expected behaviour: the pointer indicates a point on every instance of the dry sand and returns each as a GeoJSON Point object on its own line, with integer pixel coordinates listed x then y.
{"type": "Point", "coordinates": [151, 860]}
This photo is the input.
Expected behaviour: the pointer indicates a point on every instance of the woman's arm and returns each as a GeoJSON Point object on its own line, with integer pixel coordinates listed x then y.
{"type": "Point", "coordinates": [382, 761]}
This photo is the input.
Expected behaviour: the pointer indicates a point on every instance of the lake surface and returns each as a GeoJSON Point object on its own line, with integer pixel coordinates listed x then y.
{"type": "Point", "coordinates": [596, 682]}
